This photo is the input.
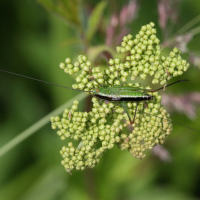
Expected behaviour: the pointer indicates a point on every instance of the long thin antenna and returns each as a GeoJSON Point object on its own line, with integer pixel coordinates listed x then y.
{"type": "Point", "coordinates": [43, 81]}
{"type": "Point", "coordinates": [170, 121]}
{"type": "Point", "coordinates": [103, 99]}
{"type": "Point", "coordinates": [153, 115]}
{"type": "Point", "coordinates": [169, 85]}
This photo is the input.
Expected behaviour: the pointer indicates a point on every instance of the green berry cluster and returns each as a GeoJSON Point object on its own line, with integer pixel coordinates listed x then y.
{"type": "Point", "coordinates": [105, 125]}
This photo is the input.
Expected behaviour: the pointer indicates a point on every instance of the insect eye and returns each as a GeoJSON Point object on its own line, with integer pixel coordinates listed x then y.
{"type": "Point", "coordinates": [97, 90]}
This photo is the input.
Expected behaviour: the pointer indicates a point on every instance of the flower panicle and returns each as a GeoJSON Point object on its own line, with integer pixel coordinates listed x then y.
{"type": "Point", "coordinates": [105, 125]}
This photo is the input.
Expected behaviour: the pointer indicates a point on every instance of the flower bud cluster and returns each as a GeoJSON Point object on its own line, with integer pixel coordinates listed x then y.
{"type": "Point", "coordinates": [102, 128]}
{"type": "Point", "coordinates": [105, 125]}
{"type": "Point", "coordinates": [148, 131]}
{"type": "Point", "coordinates": [145, 57]}
{"type": "Point", "coordinates": [91, 129]}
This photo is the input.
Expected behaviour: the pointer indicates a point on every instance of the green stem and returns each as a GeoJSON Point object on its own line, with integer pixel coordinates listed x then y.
{"type": "Point", "coordinates": [36, 126]}
{"type": "Point", "coordinates": [195, 31]}
{"type": "Point", "coordinates": [189, 25]}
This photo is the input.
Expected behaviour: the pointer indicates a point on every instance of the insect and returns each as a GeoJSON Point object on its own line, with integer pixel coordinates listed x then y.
{"type": "Point", "coordinates": [118, 94]}
{"type": "Point", "coordinates": [123, 94]}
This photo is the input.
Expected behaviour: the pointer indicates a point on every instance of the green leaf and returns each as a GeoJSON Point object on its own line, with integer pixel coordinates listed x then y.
{"type": "Point", "coordinates": [94, 52]}
{"type": "Point", "coordinates": [68, 10]}
{"type": "Point", "coordinates": [94, 19]}
{"type": "Point", "coordinates": [72, 41]}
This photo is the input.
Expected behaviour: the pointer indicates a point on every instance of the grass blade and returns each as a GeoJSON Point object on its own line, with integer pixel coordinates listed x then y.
{"type": "Point", "coordinates": [36, 126]}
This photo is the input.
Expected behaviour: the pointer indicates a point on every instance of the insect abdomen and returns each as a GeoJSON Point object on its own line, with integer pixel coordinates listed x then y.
{"type": "Point", "coordinates": [123, 95]}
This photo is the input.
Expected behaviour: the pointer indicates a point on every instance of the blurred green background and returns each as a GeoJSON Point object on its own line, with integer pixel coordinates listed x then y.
{"type": "Point", "coordinates": [35, 38]}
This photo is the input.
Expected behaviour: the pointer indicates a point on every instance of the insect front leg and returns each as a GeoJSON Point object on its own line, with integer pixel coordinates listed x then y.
{"type": "Point", "coordinates": [124, 105]}
{"type": "Point", "coordinates": [101, 85]}
{"type": "Point", "coordinates": [116, 78]}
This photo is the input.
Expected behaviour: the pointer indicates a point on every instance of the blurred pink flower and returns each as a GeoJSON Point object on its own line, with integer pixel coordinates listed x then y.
{"type": "Point", "coordinates": [184, 103]}
{"type": "Point", "coordinates": [128, 13]}
{"type": "Point", "coordinates": [161, 153]}
{"type": "Point", "coordinates": [195, 60]}
{"type": "Point", "coordinates": [117, 27]}
{"type": "Point", "coordinates": [111, 29]}
{"type": "Point", "coordinates": [167, 9]}
{"type": "Point", "coordinates": [179, 41]}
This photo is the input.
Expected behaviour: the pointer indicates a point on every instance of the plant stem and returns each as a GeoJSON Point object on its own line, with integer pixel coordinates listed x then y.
{"type": "Point", "coordinates": [189, 25]}
{"type": "Point", "coordinates": [195, 31]}
{"type": "Point", "coordinates": [36, 126]}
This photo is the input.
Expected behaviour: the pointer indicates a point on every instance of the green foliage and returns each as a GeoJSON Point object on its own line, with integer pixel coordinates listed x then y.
{"type": "Point", "coordinates": [67, 10]}
{"type": "Point", "coordinates": [94, 20]}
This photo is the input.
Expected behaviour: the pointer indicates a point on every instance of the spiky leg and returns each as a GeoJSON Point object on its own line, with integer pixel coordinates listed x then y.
{"type": "Point", "coordinates": [134, 114]}
{"type": "Point", "coordinates": [168, 85]}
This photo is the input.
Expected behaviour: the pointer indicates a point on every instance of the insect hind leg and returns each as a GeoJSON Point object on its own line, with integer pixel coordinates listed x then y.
{"type": "Point", "coordinates": [169, 85]}
{"type": "Point", "coordinates": [123, 104]}
{"type": "Point", "coordinates": [134, 114]}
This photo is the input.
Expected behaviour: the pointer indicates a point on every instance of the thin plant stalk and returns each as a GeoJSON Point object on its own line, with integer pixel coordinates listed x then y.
{"type": "Point", "coordinates": [36, 126]}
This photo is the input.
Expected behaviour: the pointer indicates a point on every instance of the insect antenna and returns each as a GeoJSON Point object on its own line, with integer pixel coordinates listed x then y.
{"type": "Point", "coordinates": [169, 85]}
{"type": "Point", "coordinates": [103, 99]}
{"type": "Point", "coordinates": [165, 119]}
{"type": "Point", "coordinates": [170, 121]}
{"type": "Point", "coordinates": [125, 107]}
{"type": "Point", "coordinates": [42, 81]}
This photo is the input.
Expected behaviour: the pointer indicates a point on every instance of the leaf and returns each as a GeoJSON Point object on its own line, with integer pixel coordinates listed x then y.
{"type": "Point", "coordinates": [94, 19]}
{"type": "Point", "coordinates": [68, 10]}
{"type": "Point", "coordinates": [71, 41]}
{"type": "Point", "coordinates": [94, 52]}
